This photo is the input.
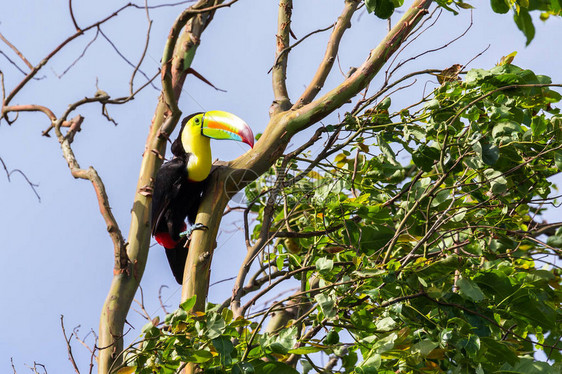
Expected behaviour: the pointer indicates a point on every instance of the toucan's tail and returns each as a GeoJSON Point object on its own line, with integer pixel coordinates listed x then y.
{"type": "Point", "coordinates": [176, 258]}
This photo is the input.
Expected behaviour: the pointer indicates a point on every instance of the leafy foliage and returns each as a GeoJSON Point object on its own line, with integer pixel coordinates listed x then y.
{"type": "Point", "coordinates": [415, 239]}
{"type": "Point", "coordinates": [522, 10]}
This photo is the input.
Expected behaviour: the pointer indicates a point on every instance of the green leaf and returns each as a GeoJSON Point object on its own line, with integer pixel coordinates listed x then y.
{"type": "Point", "coordinates": [524, 22]}
{"type": "Point", "coordinates": [424, 347]}
{"type": "Point", "coordinates": [497, 351]}
{"type": "Point", "coordinates": [555, 240]}
{"type": "Point", "coordinates": [223, 345]}
{"type": "Point", "coordinates": [470, 289]}
{"type": "Point", "coordinates": [498, 183]}
{"type": "Point", "coordinates": [500, 6]}
{"type": "Point", "coordinates": [215, 325]}
{"type": "Point", "coordinates": [490, 154]}
{"type": "Point", "coordinates": [324, 264]}
{"type": "Point", "coordinates": [505, 129]}
{"type": "Point", "coordinates": [243, 368]}
{"type": "Point", "coordinates": [384, 9]}
{"type": "Point", "coordinates": [188, 304]}
{"type": "Point", "coordinates": [326, 303]}
{"type": "Point", "coordinates": [539, 126]}
{"type": "Point", "coordinates": [527, 365]}
{"type": "Point", "coordinates": [386, 324]}
{"type": "Point", "coordinates": [200, 356]}
{"type": "Point", "coordinates": [425, 157]}
{"type": "Point", "coordinates": [472, 345]}
{"type": "Point", "coordinates": [305, 350]}
{"type": "Point", "coordinates": [558, 159]}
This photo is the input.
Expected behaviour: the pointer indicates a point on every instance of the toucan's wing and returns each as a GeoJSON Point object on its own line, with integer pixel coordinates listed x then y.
{"type": "Point", "coordinates": [167, 188]}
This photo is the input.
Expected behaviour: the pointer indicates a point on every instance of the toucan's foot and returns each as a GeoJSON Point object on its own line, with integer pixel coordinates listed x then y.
{"type": "Point", "coordinates": [198, 226]}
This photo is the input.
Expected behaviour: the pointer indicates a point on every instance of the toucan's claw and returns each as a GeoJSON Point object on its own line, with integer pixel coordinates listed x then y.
{"type": "Point", "coordinates": [198, 226]}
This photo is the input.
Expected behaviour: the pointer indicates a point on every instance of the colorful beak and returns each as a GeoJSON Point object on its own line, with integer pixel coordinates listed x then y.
{"type": "Point", "coordinates": [223, 125]}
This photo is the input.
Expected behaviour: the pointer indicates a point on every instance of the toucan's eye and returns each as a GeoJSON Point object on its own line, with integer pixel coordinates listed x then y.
{"type": "Point", "coordinates": [196, 120]}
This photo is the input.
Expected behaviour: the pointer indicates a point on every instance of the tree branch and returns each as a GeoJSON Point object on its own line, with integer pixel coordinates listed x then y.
{"type": "Point", "coordinates": [279, 75]}
{"type": "Point", "coordinates": [342, 24]}
{"type": "Point", "coordinates": [68, 346]}
{"type": "Point", "coordinates": [13, 47]}
{"type": "Point", "coordinates": [121, 261]}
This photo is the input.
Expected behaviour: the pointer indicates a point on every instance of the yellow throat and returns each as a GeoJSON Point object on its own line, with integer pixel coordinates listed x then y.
{"type": "Point", "coordinates": [199, 147]}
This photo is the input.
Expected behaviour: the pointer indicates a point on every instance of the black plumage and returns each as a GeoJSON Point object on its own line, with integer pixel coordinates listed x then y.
{"type": "Point", "coordinates": [174, 199]}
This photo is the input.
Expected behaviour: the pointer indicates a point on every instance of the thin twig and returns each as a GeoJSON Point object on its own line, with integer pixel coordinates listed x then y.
{"type": "Point", "coordinates": [289, 48]}
{"type": "Point", "coordinates": [68, 346]}
{"type": "Point", "coordinates": [160, 298]}
{"type": "Point", "coordinates": [72, 16]}
{"type": "Point", "coordinates": [143, 55]}
{"type": "Point", "coordinates": [3, 38]}
{"type": "Point", "coordinates": [9, 175]}
{"type": "Point", "coordinates": [125, 58]}
{"type": "Point", "coordinates": [81, 54]}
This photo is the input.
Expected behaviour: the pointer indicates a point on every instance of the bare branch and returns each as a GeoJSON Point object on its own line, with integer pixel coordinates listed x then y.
{"type": "Point", "coordinates": [9, 175]}
{"type": "Point", "coordinates": [3, 38]}
{"type": "Point", "coordinates": [31, 108]}
{"type": "Point", "coordinates": [68, 346]}
{"type": "Point", "coordinates": [137, 67]}
{"type": "Point", "coordinates": [72, 16]}
{"type": "Point", "coordinates": [12, 62]}
{"type": "Point", "coordinates": [160, 298]}
{"type": "Point", "coordinates": [81, 54]}
{"type": "Point", "coordinates": [125, 58]}
{"type": "Point", "coordinates": [120, 253]}
{"type": "Point", "coordinates": [289, 48]}
{"type": "Point", "coordinates": [43, 62]}
{"type": "Point", "coordinates": [342, 24]}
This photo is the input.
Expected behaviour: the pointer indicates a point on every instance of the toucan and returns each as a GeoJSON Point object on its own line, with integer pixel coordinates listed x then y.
{"type": "Point", "coordinates": [180, 182]}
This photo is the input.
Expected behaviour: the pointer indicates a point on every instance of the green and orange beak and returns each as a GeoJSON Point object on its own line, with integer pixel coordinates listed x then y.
{"type": "Point", "coordinates": [217, 124]}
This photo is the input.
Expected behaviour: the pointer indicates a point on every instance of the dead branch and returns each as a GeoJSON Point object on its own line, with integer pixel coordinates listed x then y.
{"type": "Point", "coordinates": [9, 175]}
{"type": "Point", "coordinates": [125, 58]}
{"type": "Point", "coordinates": [31, 108]}
{"type": "Point", "coordinates": [13, 47]}
{"type": "Point", "coordinates": [143, 55]}
{"type": "Point", "coordinates": [72, 16]}
{"type": "Point", "coordinates": [121, 260]}
{"type": "Point", "coordinates": [68, 346]}
{"type": "Point", "coordinates": [140, 303]}
{"type": "Point", "coordinates": [160, 298]}
{"type": "Point", "coordinates": [12, 62]}
{"type": "Point", "coordinates": [81, 54]}
{"type": "Point", "coordinates": [43, 62]}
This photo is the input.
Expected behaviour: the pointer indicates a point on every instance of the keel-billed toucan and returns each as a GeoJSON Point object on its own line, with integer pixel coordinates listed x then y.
{"type": "Point", "coordinates": [180, 182]}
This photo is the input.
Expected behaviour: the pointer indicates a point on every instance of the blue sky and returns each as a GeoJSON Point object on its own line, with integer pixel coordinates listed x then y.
{"type": "Point", "coordinates": [56, 254]}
